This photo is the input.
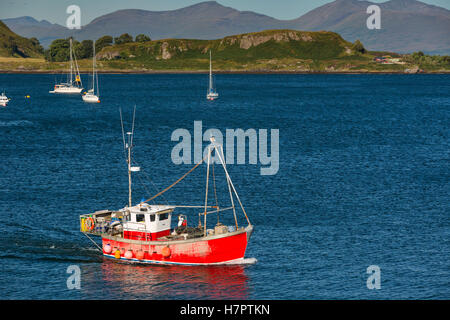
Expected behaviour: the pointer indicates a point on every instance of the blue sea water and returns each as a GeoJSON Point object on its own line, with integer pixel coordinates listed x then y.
{"type": "Point", "coordinates": [363, 180]}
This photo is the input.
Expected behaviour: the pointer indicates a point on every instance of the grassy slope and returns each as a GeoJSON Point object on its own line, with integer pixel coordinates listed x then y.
{"type": "Point", "coordinates": [13, 45]}
{"type": "Point", "coordinates": [271, 50]}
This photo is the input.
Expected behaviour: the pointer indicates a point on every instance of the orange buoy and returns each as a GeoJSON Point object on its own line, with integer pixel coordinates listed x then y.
{"type": "Point", "coordinates": [140, 255]}
{"type": "Point", "coordinates": [166, 252]}
{"type": "Point", "coordinates": [117, 254]}
{"type": "Point", "coordinates": [107, 248]}
{"type": "Point", "coordinates": [129, 254]}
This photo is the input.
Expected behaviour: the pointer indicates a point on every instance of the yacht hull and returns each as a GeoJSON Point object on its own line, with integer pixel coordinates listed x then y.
{"type": "Point", "coordinates": [212, 96]}
{"type": "Point", "coordinates": [69, 90]}
{"type": "Point", "coordinates": [3, 101]}
{"type": "Point", "coordinates": [91, 98]}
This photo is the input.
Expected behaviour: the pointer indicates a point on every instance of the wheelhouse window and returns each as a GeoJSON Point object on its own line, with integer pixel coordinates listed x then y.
{"type": "Point", "coordinates": [140, 217]}
{"type": "Point", "coordinates": [163, 216]}
{"type": "Point", "coordinates": [152, 217]}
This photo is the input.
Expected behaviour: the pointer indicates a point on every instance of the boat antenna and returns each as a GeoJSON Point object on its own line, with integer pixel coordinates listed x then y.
{"type": "Point", "coordinates": [132, 127]}
{"type": "Point", "coordinates": [123, 133]}
{"type": "Point", "coordinates": [128, 145]}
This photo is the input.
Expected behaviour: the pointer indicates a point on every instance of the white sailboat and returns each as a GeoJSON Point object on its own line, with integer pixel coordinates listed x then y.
{"type": "Point", "coordinates": [70, 86]}
{"type": "Point", "coordinates": [91, 95]}
{"type": "Point", "coordinates": [4, 100]}
{"type": "Point", "coordinates": [211, 93]}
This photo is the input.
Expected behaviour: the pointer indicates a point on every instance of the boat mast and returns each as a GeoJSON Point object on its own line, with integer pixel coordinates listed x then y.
{"type": "Point", "coordinates": [129, 166]}
{"type": "Point", "coordinates": [222, 161]}
{"type": "Point", "coordinates": [229, 190]}
{"type": "Point", "coordinates": [218, 150]}
{"type": "Point", "coordinates": [71, 60]}
{"type": "Point", "coordinates": [206, 195]}
{"type": "Point", "coordinates": [96, 73]}
{"type": "Point", "coordinates": [93, 69]}
{"type": "Point", "coordinates": [77, 70]}
{"type": "Point", "coordinates": [210, 72]}
{"type": "Point", "coordinates": [128, 146]}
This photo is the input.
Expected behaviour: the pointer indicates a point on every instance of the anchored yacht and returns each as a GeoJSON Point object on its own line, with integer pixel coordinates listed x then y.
{"type": "Point", "coordinates": [72, 86]}
{"type": "Point", "coordinates": [92, 95]}
{"type": "Point", "coordinates": [211, 93]}
{"type": "Point", "coordinates": [4, 100]}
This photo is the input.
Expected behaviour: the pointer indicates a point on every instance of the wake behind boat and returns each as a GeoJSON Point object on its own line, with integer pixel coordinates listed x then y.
{"type": "Point", "coordinates": [71, 86]}
{"type": "Point", "coordinates": [91, 95]}
{"type": "Point", "coordinates": [142, 232]}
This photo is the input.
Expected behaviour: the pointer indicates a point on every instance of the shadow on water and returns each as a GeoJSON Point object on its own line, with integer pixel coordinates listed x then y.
{"type": "Point", "coordinates": [124, 280]}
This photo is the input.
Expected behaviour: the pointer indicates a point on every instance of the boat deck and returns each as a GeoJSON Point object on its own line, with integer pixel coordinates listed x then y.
{"type": "Point", "coordinates": [101, 222]}
{"type": "Point", "coordinates": [108, 223]}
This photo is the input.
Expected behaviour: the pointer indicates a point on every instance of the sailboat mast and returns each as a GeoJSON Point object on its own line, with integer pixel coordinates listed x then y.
{"type": "Point", "coordinates": [71, 60]}
{"type": "Point", "coordinates": [93, 69]}
{"type": "Point", "coordinates": [96, 73]}
{"type": "Point", "coordinates": [210, 72]}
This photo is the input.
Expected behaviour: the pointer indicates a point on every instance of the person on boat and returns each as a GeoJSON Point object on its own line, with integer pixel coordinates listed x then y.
{"type": "Point", "coordinates": [182, 221]}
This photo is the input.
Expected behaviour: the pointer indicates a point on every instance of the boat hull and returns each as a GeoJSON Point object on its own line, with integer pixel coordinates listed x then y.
{"type": "Point", "coordinates": [212, 96]}
{"type": "Point", "coordinates": [218, 249]}
{"type": "Point", "coordinates": [67, 90]}
{"type": "Point", "coordinates": [90, 98]}
{"type": "Point", "coordinates": [3, 101]}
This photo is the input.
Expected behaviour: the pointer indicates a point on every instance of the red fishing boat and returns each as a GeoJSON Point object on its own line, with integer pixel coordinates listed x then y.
{"type": "Point", "coordinates": [142, 232]}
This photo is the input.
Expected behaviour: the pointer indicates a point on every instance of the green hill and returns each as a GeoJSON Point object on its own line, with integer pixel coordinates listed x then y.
{"type": "Point", "coordinates": [266, 50]}
{"type": "Point", "coordinates": [13, 45]}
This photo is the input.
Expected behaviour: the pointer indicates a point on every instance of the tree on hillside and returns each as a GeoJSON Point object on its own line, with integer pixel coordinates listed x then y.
{"type": "Point", "coordinates": [142, 38]}
{"type": "Point", "coordinates": [103, 42]}
{"type": "Point", "coordinates": [445, 59]}
{"type": "Point", "coordinates": [11, 47]}
{"type": "Point", "coordinates": [58, 50]}
{"type": "Point", "coordinates": [37, 45]}
{"type": "Point", "coordinates": [418, 56]}
{"type": "Point", "coordinates": [84, 49]}
{"type": "Point", "coordinates": [358, 47]}
{"type": "Point", "coordinates": [124, 38]}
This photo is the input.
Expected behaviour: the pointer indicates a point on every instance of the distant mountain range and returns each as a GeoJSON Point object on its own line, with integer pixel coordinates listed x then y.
{"type": "Point", "coordinates": [43, 30]}
{"type": "Point", "coordinates": [406, 25]}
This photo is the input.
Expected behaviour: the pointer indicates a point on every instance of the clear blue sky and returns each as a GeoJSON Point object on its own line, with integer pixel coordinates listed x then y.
{"type": "Point", "coordinates": [55, 10]}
